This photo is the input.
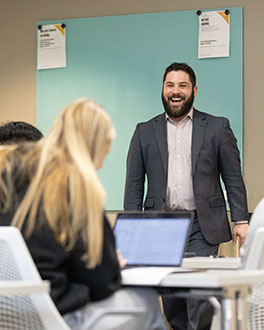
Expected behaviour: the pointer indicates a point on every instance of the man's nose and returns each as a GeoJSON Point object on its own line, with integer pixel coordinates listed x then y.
{"type": "Point", "coordinates": [176, 89]}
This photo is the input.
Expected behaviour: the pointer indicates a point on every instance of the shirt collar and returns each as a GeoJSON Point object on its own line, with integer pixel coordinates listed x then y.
{"type": "Point", "coordinates": [189, 115]}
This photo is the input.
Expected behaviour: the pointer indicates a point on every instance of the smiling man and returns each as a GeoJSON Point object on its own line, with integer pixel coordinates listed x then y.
{"type": "Point", "coordinates": [183, 153]}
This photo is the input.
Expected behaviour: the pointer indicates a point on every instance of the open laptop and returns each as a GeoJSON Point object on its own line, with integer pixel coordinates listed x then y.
{"type": "Point", "coordinates": [152, 238]}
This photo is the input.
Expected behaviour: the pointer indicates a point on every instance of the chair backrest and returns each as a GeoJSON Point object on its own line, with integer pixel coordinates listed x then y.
{"type": "Point", "coordinates": [252, 252]}
{"type": "Point", "coordinates": [29, 310]}
{"type": "Point", "coordinates": [255, 256]}
{"type": "Point", "coordinates": [252, 257]}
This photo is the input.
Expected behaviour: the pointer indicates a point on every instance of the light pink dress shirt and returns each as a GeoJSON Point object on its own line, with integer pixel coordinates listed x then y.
{"type": "Point", "coordinates": [180, 186]}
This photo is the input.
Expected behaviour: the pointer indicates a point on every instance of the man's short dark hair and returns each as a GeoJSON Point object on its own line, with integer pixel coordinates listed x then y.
{"type": "Point", "coordinates": [18, 131]}
{"type": "Point", "coordinates": [181, 67]}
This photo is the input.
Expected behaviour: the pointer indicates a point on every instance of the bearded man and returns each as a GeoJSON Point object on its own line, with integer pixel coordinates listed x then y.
{"type": "Point", "coordinates": [184, 153]}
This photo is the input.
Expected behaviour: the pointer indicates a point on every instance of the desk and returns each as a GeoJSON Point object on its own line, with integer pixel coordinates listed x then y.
{"type": "Point", "coordinates": [230, 286]}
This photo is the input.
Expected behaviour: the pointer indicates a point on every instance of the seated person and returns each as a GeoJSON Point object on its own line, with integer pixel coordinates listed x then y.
{"type": "Point", "coordinates": [50, 191]}
{"type": "Point", "coordinates": [14, 132]}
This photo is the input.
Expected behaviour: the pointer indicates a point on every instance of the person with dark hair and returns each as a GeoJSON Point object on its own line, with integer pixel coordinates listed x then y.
{"type": "Point", "coordinates": [14, 132]}
{"type": "Point", "coordinates": [184, 153]}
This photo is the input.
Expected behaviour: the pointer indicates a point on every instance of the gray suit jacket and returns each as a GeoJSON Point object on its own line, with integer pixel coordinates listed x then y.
{"type": "Point", "coordinates": [214, 154]}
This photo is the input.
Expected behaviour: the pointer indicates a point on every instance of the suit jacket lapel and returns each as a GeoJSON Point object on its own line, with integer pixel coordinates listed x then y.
{"type": "Point", "coordinates": [160, 132]}
{"type": "Point", "coordinates": [199, 126]}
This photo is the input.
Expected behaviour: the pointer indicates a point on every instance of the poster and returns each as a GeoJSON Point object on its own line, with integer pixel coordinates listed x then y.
{"type": "Point", "coordinates": [51, 46]}
{"type": "Point", "coordinates": [214, 34]}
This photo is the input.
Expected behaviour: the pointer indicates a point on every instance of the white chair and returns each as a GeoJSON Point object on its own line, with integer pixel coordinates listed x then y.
{"type": "Point", "coordinates": [25, 303]}
{"type": "Point", "coordinates": [252, 257]}
{"type": "Point", "coordinates": [24, 299]}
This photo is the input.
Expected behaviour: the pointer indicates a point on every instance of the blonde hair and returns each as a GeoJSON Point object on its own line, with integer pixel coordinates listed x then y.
{"type": "Point", "coordinates": [6, 177]}
{"type": "Point", "coordinates": [65, 185]}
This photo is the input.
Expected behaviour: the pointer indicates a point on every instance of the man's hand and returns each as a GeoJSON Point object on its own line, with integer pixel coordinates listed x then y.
{"type": "Point", "coordinates": [241, 232]}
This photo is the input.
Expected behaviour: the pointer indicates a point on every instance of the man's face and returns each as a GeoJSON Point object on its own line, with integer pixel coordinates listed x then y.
{"type": "Point", "coordinates": [178, 94]}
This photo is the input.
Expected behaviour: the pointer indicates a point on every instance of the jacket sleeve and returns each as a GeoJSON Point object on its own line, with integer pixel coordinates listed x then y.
{"type": "Point", "coordinates": [135, 174]}
{"type": "Point", "coordinates": [230, 168]}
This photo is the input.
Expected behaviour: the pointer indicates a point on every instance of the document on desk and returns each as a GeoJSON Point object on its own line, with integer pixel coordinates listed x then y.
{"type": "Point", "coordinates": [149, 275]}
{"type": "Point", "coordinates": [211, 263]}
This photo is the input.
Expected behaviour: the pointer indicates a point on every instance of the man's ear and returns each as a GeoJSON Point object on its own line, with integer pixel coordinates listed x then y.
{"type": "Point", "coordinates": [195, 90]}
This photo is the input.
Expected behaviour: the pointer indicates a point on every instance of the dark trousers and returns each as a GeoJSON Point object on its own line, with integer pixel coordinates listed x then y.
{"type": "Point", "coordinates": [190, 313]}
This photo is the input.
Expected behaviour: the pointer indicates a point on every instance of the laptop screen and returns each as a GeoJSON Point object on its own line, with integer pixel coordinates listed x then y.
{"type": "Point", "coordinates": [152, 239]}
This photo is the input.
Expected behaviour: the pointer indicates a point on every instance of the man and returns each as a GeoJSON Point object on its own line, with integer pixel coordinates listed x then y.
{"type": "Point", "coordinates": [183, 153]}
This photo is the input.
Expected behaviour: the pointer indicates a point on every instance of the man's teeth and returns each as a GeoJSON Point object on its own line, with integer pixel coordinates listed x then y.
{"type": "Point", "coordinates": [176, 99]}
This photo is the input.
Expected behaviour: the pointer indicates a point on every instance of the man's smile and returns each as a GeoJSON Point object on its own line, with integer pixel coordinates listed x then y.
{"type": "Point", "coordinates": [176, 100]}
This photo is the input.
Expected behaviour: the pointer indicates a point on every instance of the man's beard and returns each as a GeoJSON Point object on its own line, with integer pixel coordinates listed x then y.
{"type": "Point", "coordinates": [185, 108]}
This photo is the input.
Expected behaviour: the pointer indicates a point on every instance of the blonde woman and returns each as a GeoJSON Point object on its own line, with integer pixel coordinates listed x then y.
{"type": "Point", "coordinates": [51, 192]}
